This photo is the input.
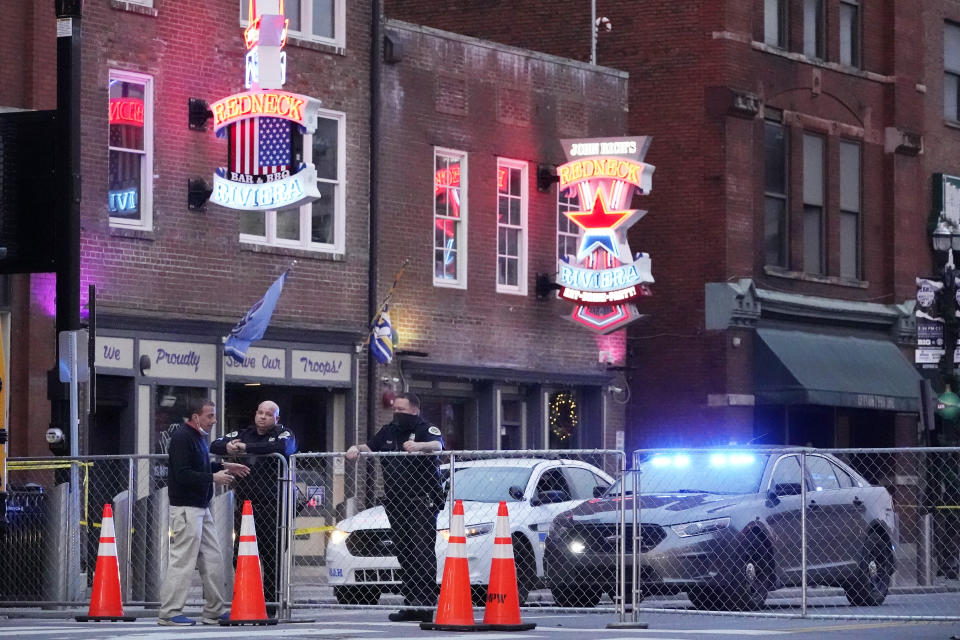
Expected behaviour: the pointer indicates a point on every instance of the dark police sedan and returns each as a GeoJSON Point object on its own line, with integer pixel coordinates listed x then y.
{"type": "Point", "coordinates": [725, 527]}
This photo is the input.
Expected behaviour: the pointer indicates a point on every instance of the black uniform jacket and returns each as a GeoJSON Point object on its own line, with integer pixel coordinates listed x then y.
{"type": "Point", "coordinates": [408, 476]}
{"type": "Point", "coordinates": [263, 468]}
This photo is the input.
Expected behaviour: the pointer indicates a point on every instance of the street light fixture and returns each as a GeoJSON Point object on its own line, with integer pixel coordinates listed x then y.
{"type": "Point", "coordinates": [946, 237]}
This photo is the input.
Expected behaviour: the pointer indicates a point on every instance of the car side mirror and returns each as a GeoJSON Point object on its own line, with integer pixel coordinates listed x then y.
{"type": "Point", "coordinates": [787, 489]}
{"type": "Point", "coordinates": [515, 492]}
{"type": "Point", "coordinates": [599, 491]}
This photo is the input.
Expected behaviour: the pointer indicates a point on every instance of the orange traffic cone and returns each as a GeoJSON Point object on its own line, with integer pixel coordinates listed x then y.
{"type": "Point", "coordinates": [106, 601]}
{"type": "Point", "coordinates": [455, 608]}
{"type": "Point", "coordinates": [503, 602]}
{"type": "Point", "coordinates": [248, 606]}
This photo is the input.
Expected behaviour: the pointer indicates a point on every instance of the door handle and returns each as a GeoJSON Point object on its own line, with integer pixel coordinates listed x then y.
{"type": "Point", "coordinates": [857, 502]}
{"type": "Point", "coordinates": [814, 506]}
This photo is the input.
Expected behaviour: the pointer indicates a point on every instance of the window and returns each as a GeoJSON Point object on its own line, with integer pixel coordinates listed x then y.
{"type": "Point", "coordinates": [568, 232]}
{"type": "Point", "coordinates": [846, 482]}
{"type": "Point", "coordinates": [317, 20]}
{"type": "Point", "coordinates": [319, 225]}
{"type": "Point", "coordinates": [512, 424]}
{"type": "Point", "coordinates": [775, 195]}
{"type": "Point", "coordinates": [813, 209]}
{"type": "Point", "coordinates": [563, 420]}
{"type": "Point", "coordinates": [951, 72]}
{"type": "Point", "coordinates": [850, 33]}
{"type": "Point", "coordinates": [511, 227]}
{"type": "Point", "coordinates": [787, 471]}
{"type": "Point", "coordinates": [849, 210]}
{"type": "Point", "coordinates": [813, 29]}
{"type": "Point", "coordinates": [450, 219]}
{"type": "Point", "coordinates": [583, 483]}
{"type": "Point", "coordinates": [821, 472]}
{"type": "Point", "coordinates": [553, 480]}
{"type": "Point", "coordinates": [130, 150]}
{"type": "Point", "coordinates": [775, 23]}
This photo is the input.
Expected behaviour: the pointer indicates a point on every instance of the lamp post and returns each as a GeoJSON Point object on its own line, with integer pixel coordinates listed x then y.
{"type": "Point", "coordinates": [946, 237]}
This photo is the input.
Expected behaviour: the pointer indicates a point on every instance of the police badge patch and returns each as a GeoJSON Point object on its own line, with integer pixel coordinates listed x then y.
{"type": "Point", "coordinates": [434, 430]}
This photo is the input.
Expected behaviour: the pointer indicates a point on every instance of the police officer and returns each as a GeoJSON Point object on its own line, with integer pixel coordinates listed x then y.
{"type": "Point", "coordinates": [413, 498]}
{"type": "Point", "coordinates": [252, 445]}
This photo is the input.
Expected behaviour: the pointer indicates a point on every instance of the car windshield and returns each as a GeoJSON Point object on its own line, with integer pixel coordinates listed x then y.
{"type": "Point", "coordinates": [721, 473]}
{"type": "Point", "coordinates": [487, 484]}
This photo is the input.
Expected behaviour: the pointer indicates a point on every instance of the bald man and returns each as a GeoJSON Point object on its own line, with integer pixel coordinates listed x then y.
{"type": "Point", "coordinates": [253, 446]}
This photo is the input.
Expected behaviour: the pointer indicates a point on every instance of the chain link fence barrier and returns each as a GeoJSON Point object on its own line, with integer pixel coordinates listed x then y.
{"type": "Point", "coordinates": [783, 532]}
{"type": "Point", "coordinates": [51, 536]}
{"type": "Point", "coordinates": [852, 533]}
{"type": "Point", "coordinates": [384, 520]}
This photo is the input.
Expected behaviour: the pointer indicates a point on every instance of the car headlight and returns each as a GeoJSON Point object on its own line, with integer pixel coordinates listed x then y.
{"type": "Point", "coordinates": [577, 546]}
{"type": "Point", "coordinates": [472, 530]}
{"type": "Point", "coordinates": [699, 528]}
{"type": "Point", "coordinates": [338, 536]}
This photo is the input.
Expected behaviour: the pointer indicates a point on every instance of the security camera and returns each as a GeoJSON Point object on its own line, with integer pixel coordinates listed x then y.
{"type": "Point", "coordinates": [605, 23]}
{"type": "Point", "coordinates": [54, 435]}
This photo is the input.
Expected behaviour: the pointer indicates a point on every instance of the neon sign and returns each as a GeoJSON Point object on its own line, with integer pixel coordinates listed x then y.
{"type": "Point", "coordinates": [126, 111]}
{"type": "Point", "coordinates": [267, 195]}
{"type": "Point", "coordinates": [605, 278]}
{"type": "Point", "coordinates": [125, 200]}
{"type": "Point", "coordinates": [275, 104]}
{"type": "Point", "coordinates": [263, 172]}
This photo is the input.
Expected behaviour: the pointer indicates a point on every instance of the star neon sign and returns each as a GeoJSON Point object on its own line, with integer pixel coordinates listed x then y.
{"type": "Point", "coordinates": [599, 226]}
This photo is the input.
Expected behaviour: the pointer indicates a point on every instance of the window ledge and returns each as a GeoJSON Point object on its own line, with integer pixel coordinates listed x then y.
{"type": "Point", "coordinates": [130, 232]}
{"type": "Point", "coordinates": [290, 251]}
{"type": "Point", "coordinates": [313, 45]}
{"type": "Point", "coordinates": [823, 64]}
{"type": "Point", "coordinates": [133, 7]}
{"type": "Point", "coordinates": [953, 124]}
{"type": "Point", "coordinates": [777, 272]}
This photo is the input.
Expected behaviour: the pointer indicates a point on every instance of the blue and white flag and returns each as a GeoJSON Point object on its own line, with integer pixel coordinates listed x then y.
{"type": "Point", "coordinates": [252, 326]}
{"type": "Point", "coordinates": [382, 338]}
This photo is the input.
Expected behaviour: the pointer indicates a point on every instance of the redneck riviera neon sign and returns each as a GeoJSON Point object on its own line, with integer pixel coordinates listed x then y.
{"type": "Point", "coordinates": [261, 172]}
{"type": "Point", "coordinates": [605, 277]}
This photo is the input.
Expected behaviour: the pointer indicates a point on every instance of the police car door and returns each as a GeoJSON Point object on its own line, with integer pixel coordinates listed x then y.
{"type": "Point", "coordinates": [551, 496]}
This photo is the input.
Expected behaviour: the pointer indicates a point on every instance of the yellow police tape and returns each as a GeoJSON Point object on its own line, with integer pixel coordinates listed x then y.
{"type": "Point", "coordinates": [305, 531]}
{"type": "Point", "coordinates": [18, 465]}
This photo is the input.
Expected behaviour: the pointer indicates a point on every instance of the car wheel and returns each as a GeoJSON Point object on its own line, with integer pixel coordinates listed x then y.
{"type": "Point", "coordinates": [576, 596]}
{"type": "Point", "coordinates": [357, 595]}
{"type": "Point", "coordinates": [526, 569]}
{"type": "Point", "coordinates": [706, 599]}
{"type": "Point", "coordinates": [869, 585]}
{"type": "Point", "coordinates": [748, 588]}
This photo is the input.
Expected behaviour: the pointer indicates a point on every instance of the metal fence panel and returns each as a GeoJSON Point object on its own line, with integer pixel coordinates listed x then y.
{"type": "Point", "coordinates": [365, 525]}
{"type": "Point", "coordinates": [858, 533]}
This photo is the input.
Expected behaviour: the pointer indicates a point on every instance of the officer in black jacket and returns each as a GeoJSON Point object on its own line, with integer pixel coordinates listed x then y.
{"type": "Point", "coordinates": [413, 498]}
{"type": "Point", "coordinates": [252, 446]}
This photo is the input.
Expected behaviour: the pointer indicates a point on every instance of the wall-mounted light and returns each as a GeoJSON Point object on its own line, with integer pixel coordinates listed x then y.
{"type": "Point", "coordinates": [198, 192]}
{"type": "Point", "coordinates": [392, 50]}
{"type": "Point", "coordinates": [144, 364]}
{"type": "Point", "coordinates": [544, 285]}
{"type": "Point", "coordinates": [199, 112]}
{"type": "Point", "coordinates": [546, 176]}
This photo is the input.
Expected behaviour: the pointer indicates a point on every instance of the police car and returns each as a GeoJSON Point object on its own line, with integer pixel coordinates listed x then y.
{"type": "Point", "coordinates": [359, 556]}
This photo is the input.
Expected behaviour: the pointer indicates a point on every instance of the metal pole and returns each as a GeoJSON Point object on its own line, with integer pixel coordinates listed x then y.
{"type": "Point", "coordinates": [803, 534]}
{"type": "Point", "coordinates": [621, 541]}
{"type": "Point", "coordinates": [593, 31]}
{"type": "Point", "coordinates": [635, 573]}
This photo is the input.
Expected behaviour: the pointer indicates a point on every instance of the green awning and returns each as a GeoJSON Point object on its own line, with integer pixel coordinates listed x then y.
{"type": "Point", "coordinates": [796, 367]}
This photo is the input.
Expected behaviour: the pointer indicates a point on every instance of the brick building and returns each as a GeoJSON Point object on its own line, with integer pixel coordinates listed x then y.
{"type": "Point", "coordinates": [795, 143]}
{"type": "Point", "coordinates": [171, 280]}
{"type": "Point", "coordinates": [466, 126]}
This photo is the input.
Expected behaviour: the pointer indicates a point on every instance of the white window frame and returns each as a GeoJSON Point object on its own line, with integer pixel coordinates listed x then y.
{"type": "Point", "coordinates": [461, 280]}
{"type": "Point", "coordinates": [339, 39]}
{"type": "Point", "coordinates": [520, 288]}
{"type": "Point", "coordinates": [142, 3]}
{"type": "Point", "coordinates": [145, 223]}
{"type": "Point", "coordinates": [564, 205]}
{"type": "Point", "coordinates": [306, 210]}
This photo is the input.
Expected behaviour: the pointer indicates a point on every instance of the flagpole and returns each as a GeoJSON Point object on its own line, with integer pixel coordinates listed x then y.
{"type": "Point", "coordinates": [386, 299]}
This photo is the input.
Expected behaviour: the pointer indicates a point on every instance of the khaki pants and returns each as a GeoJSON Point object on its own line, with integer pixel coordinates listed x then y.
{"type": "Point", "coordinates": [193, 544]}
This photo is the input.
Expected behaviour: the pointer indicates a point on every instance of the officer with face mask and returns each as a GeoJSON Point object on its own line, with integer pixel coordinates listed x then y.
{"type": "Point", "coordinates": [413, 498]}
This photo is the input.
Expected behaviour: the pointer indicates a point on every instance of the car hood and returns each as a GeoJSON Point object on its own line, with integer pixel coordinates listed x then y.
{"type": "Point", "coordinates": [664, 509]}
{"type": "Point", "coordinates": [473, 513]}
